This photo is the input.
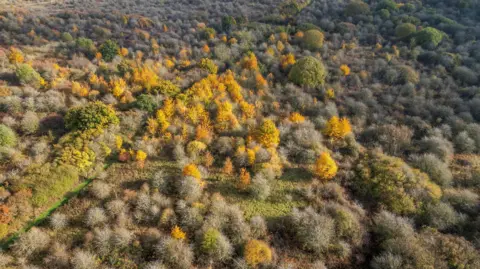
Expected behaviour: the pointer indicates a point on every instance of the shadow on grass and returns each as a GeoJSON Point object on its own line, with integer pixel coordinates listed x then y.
{"type": "Point", "coordinates": [297, 175]}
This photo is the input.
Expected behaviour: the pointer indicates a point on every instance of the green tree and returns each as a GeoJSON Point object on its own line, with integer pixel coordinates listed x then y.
{"type": "Point", "coordinates": [308, 71]}
{"type": "Point", "coordinates": [313, 39]}
{"type": "Point", "coordinates": [429, 35]}
{"type": "Point", "coordinates": [27, 75]}
{"type": "Point", "coordinates": [405, 30]}
{"type": "Point", "coordinates": [357, 7]}
{"type": "Point", "coordinates": [7, 136]}
{"type": "Point", "coordinates": [91, 116]}
{"type": "Point", "coordinates": [109, 50]}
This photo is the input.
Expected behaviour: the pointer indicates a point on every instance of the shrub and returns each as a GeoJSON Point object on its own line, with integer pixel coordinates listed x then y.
{"type": "Point", "coordinates": [462, 199]}
{"type": "Point", "coordinates": [313, 39]}
{"type": "Point", "coordinates": [257, 252]}
{"type": "Point", "coordinates": [408, 75]}
{"type": "Point", "coordinates": [95, 216]}
{"type": "Point", "coordinates": [308, 71]}
{"type": "Point", "coordinates": [174, 253]}
{"type": "Point", "coordinates": [109, 50]}
{"type": "Point", "coordinates": [259, 187]}
{"type": "Point", "coordinates": [30, 122]}
{"type": "Point", "coordinates": [215, 246]}
{"type": "Point", "coordinates": [58, 221]}
{"type": "Point", "coordinates": [440, 215]}
{"type": "Point", "coordinates": [209, 65]}
{"type": "Point", "coordinates": [94, 115]}
{"type": "Point", "coordinates": [166, 87]}
{"type": "Point", "coordinates": [405, 30]}
{"type": "Point", "coordinates": [84, 260]}
{"type": "Point", "coordinates": [437, 170]}
{"type": "Point", "coordinates": [146, 102]}
{"type": "Point", "coordinates": [258, 227]}
{"type": "Point", "coordinates": [100, 190]}
{"type": "Point", "coordinates": [27, 75]}
{"type": "Point", "coordinates": [312, 231]}
{"type": "Point", "coordinates": [439, 146]}
{"type": "Point", "coordinates": [122, 237]}
{"type": "Point", "coordinates": [392, 183]}
{"type": "Point", "coordinates": [31, 242]}
{"type": "Point", "coordinates": [189, 188]}
{"type": "Point", "coordinates": [387, 226]}
{"type": "Point", "coordinates": [465, 75]}
{"type": "Point", "coordinates": [8, 138]}
{"type": "Point", "coordinates": [387, 260]}
{"type": "Point", "coordinates": [357, 7]}
{"type": "Point", "coordinates": [429, 35]}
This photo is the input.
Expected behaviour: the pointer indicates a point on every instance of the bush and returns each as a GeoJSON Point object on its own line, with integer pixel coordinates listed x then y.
{"type": "Point", "coordinates": [258, 227]}
{"type": "Point", "coordinates": [440, 216]}
{"type": "Point", "coordinates": [8, 138]}
{"type": "Point", "coordinates": [439, 146]}
{"type": "Point", "coordinates": [463, 143]}
{"type": "Point", "coordinates": [27, 75]}
{"type": "Point", "coordinates": [84, 260]}
{"type": "Point", "coordinates": [390, 182]}
{"type": "Point", "coordinates": [209, 65]}
{"type": "Point", "coordinates": [146, 102]}
{"type": "Point", "coordinates": [189, 188]}
{"type": "Point", "coordinates": [309, 72]}
{"type": "Point", "coordinates": [438, 171]}
{"type": "Point", "coordinates": [357, 7]}
{"type": "Point", "coordinates": [175, 253]}
{"type": "Point", "coordinates": [215, 246]}
{"type": "Point", "coordinates": [408, 75]}
{"type": "Point", "coordinates": [462, 199]}
{"type": "Point", "coordinates": [31, 242]}
{"type": "Point", "coordinates": [30, 122]}
{"type": "Point", "coordinates": [387, 226]}
{"type": "Point", "coordinates": [259, 187]}
{"type": "Point", "coordinates": [465, 75]}
{"type": "Point", "coordinates": [313, 39]}
{"type": "Point", "coordinates": [94, 115]}
{"type": "Point", "coordinates": [58, 221]}
{"type": "Point", "coordinates": [312, 231]}
{"type": "Point", "coordinates": [429, 35]}
{"type": "Point", "coordinates": [95, 216]}
{"type": "Point", "coordinates": [387, 260]}
{"type": "Point", "coordinates": [405, 30]}
{"type": "Point", "coordinates": [257, 252]}
{"type": "Point", "coordinates": [109, 50]}
{"type": "Point", "coordinates": [100, 190]}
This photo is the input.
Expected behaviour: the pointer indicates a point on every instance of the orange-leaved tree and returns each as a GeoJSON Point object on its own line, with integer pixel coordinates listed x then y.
{"type": "Point", "coordinates": [337, 128]}
{"type": "Point", "coordinates": [325, 167]}
{"type": "Point", "coordinates": [267, 134]}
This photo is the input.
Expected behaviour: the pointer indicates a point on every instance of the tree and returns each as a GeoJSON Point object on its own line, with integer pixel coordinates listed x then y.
{"type": "Point", "coordinates": [95, 115]}
{"type": "Point", "coordinates": [325, 167]}
{"type": "Point", "coordinates": [309, 72]}
{"type": "Point", "coordinates": [177, 233]}
{"type": "Point", "coordinates": [109, 50]}
{"type": "Point", "coordinates": [244, 179]}
{"type": "Point", "coordinates": [209, 65]}
{"type": "Point", "coordinates": [337, 128]}
{"type": "Point", "coordinates": [429, 35]}
{"type": "Point", "coordinates": [8, 138]}
{"type": "Point", "coordinates": [357, 7]}
{"type": "Point", "coordinates": [192, 170]}
{"type": "Point", "coordinates": [267, 134]}
{"type": "Point", "coordinates": [27, 75]}
{"type": "Point", "coordinates": [313, 39]}
{"type": "Point", "coordinates": [228, 22]}
{"type": "Point", "coordinates": [228, 167]}
{"type": "Point", "coordinates": [257, 252]}
{"type": "Point", "coordinates": [405, 30]}
{"type": "Point", "coordinates": [15, 56]}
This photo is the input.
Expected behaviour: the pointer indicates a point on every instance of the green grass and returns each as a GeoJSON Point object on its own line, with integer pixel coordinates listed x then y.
{"type": "Point", "coordinates": [283, 198]}
{"type": "Point", "coordinates": [5, 244]}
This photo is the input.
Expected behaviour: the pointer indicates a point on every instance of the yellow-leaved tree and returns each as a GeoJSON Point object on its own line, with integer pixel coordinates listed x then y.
{"type": "Point", "coordinates": [267, 134]}
{"type": "Point", "coordinates": [337, 128]}
{"type": "Point", "coordinates": [177, 233]}
{"type": "Point", "coordinates": [325, 167]}
{"type": "Point", "coordinates": [257, 252]}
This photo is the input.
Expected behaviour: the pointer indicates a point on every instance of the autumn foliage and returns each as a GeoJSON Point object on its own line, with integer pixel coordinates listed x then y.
{"type": "Point", "coordinates": [337, 128]}
{"type": "Point", "coordinates": [325, 167]}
